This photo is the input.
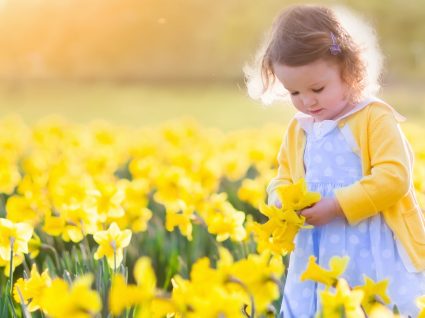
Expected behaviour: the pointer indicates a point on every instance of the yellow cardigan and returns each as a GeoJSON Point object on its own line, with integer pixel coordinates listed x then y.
{"type": "Point", "coordinates": [387, 184]}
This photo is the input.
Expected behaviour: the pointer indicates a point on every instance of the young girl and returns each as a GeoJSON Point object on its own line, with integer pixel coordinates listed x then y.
{"type": "Point", "coordinates": [349, 147]}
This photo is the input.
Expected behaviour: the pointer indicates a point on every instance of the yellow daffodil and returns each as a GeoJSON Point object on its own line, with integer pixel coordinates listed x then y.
{"type": "Point", "coordinates": [109, 201]}
{"type": "Point", "coordinates": [173, 184]}
{"type": "Point", "coordinates": [420, 302]}
{"type": "Point", "coordinates": [9, 175]}
{"type": "Point", "coordinates": [374, 292]}
{"type": "Point", "coordinates": [223, 219]}
{"type": "Point", "coordinates": [26, 209]}
{"type": "Point", "coordinates": [314, 272]}
{"type": "Point", "coordinates": [122, 296]}
{"type": "Point", "coordinates": [295, 196]}
{"type": "Point", "coordinates": [72, 223]}
{"type": "Point", "coordinates": [145, 276]}
{"type": "Point", "coordinates": [34, 245]}
{"type": "Point", "coordinates": [137, 215]}
{"type": "Point", "coordinates": [252, 191]}
{"type": "Point", "coordinates": [180, 215]}
{"type": "Point", "coordinates": [379, 310]}
{"type": "Point", "coordinates": [278, 233]}
{"type": "Point", "coordinates": [14, 137]}
{"type": "Point", "coordinates": [76, 301]}
{"type": "Point", "coordinates": [111, 243]}
{"type": "Point", "coordinates": [32, 289]}
{"type": "Point", "coordinates": [14, 235]}
{"type": "Point", "coordinates": [233, 164]}
{"type": "Point", "coordinates": [192, 299]}
{"type": "Point", "coordinates": [259, 276]}
{"type": "Point", "coordinates": [343, 303]}
{"type": "Point", "coordinates": [54, 225]}
{"type": "Point", "coordinates": [17, 260]}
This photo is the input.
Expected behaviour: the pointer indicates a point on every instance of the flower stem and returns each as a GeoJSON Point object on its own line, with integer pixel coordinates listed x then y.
{"type": "Point", "coordinates": [115, 261]}
{"type": "Point", "coordinates": [245, 288]}
{"type": "Point", "coordinates": [12, 242]}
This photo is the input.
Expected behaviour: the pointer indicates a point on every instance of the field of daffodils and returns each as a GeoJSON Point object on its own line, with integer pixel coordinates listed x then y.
{"type": "Point", "coordinates": [100, 220]}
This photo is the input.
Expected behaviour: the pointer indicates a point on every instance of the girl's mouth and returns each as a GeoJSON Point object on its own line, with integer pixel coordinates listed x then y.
{"type": "Point", "coordinates": [316, 112]}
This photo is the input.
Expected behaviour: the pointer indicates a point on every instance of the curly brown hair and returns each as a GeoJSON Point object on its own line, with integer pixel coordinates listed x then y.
{"type": "Point", "coordinates": [302, 34]}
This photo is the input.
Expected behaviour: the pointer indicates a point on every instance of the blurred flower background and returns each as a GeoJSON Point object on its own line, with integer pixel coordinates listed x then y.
{"type": "Point", "coordinates": [142, 61]}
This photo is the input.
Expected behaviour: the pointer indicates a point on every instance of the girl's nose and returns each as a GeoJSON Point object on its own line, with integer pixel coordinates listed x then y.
{"type": "Point", "coordinates": [308, 100]}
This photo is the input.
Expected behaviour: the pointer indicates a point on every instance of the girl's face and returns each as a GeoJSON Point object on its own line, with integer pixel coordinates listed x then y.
{"type": "Point", "coordinates": [316, 89]}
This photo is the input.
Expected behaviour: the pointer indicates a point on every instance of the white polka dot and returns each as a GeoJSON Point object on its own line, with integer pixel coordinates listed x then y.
{"type": "Point", "coordinates": [328, 172]}
{"type": "Point", "coordinates": [294, 304]}
{"type": "Point", "coordinates": [354, 239]}
{"type": "Point", "coordinates": [364, 253]}
{"type": "Point", "coordinates": [306, 293]}
{"type": "Point", "coordinates": [318, 159]}
{"type": "Point", "coordinates": [334, 238]}
{"type": "Point", "coordinates": [386, 253]}
{"type": "Point", "coordinates": [340, 160]}
{"type": "Point", "coordinates": [402, 290]}
{"type": "Point", "coordinates": [328, 146]}
{"type": "Point", "coordinates": [299, 251]}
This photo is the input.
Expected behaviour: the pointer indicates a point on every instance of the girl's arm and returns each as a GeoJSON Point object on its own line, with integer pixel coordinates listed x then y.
{"type": "Point", "coordinates": [283, 174]}
{"type": "Point", "coordinates": [390, 169]}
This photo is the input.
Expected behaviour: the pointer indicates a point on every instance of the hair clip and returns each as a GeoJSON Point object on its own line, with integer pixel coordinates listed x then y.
{"type": "Point", "coordinates": [334, 48]}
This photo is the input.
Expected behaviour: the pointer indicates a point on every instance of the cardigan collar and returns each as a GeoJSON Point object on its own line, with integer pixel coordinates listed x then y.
{"type": "Point", "coordinates": [321, 128]}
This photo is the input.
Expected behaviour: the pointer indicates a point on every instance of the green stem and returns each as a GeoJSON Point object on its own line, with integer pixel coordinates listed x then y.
{"type": "Point", "coordinates": [115, 261]}
{"type": "Point", "coordinates": [245, 288]}
{"type": "Point", "coordinates": [53, 251]}
{"type": "Point", "coordinates": [12, 242]}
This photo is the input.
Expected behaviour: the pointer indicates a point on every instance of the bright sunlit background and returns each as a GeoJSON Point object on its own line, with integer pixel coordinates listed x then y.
{"type": "Point", "coordinates": [141, 62]}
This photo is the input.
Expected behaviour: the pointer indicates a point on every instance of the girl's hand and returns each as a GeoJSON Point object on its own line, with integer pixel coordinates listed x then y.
{"type": "Point", "coordinates": [322, 212]}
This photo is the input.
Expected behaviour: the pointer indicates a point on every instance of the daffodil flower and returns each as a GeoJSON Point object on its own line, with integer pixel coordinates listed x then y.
{"type": "Point", "coordinates": [420, 302]}
{"type": "Point", "coordinates": [343, 303]}
{"type": "Point", "coordinates": [296, 196]}
{"type": "Point", "coordinates": [374, 292]}
{"type": "Point", "coordinates": [111, 244]}
{"type": "Point", "coordinates": [32, 289]}
{"type": "Point", "coordinates": [14, 235]}
{"type": "Point", "coordinates": [60, 300]}
{"type": "Point", "coordinates": [314, 272]}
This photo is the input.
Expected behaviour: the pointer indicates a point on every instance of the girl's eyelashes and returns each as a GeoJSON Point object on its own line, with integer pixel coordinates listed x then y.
{"type": "Point", "coordinates": [318, 90]}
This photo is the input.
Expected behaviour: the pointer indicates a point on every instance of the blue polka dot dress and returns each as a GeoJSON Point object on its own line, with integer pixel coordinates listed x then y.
{"type": "Point", "coordinates": [330, 163]}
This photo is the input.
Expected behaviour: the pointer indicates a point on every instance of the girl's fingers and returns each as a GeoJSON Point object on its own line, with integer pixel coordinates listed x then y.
{"type": "Point", "coordinates": [306, 213]}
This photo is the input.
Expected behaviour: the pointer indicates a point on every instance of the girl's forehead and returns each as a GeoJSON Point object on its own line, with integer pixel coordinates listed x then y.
{"type": "Point", "coordinates": [308, 74]}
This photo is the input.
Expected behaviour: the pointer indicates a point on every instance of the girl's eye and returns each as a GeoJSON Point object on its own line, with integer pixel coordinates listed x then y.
{"type": "Point", "coordinates": [294, 93]}
{"type": "Point", "coordinates": [318, 90]}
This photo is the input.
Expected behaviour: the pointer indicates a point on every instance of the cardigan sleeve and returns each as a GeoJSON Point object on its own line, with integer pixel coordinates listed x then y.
{"type": "Point", "coordinates": [390, 170]}
{"type": "Point", "coordinates": [283, 173]}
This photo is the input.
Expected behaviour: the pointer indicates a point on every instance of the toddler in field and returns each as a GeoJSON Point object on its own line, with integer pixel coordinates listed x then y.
{"type": "Point", "coordinates": [348, 146]}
